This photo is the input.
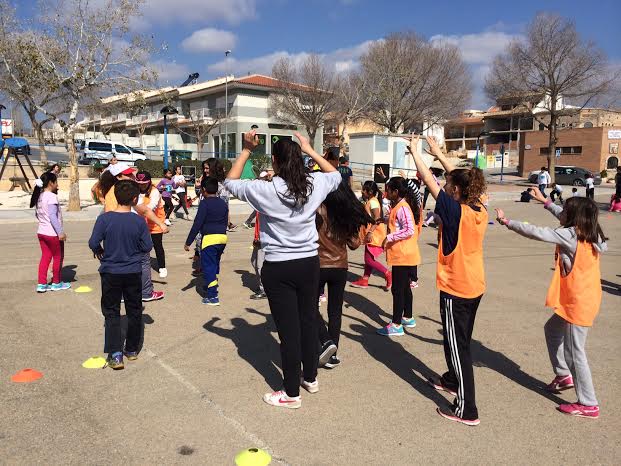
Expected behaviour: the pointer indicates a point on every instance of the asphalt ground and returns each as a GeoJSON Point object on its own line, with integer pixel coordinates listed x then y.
{"type": "Point", "coordinates": [194, 395]}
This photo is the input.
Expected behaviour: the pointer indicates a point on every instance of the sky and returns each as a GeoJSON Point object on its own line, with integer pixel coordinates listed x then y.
{"type": "Point", "coordinates": [192, 35]}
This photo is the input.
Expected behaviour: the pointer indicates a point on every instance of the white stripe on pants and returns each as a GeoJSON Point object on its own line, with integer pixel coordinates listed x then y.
{"type": "Point", "coordinates": [450, 328]}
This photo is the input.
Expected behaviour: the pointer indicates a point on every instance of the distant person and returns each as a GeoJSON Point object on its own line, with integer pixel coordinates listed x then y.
{"type": "Point", "coordinates": [152, 198]}
{"type": "Point", "coordinates": [590, 185]}
{"type": "Point", "coordinates": [557, 191]}
{"type": "Point", "coordinates": [574, 192]}
{"type": "Point", "coordinates": [180, 183]}
{"type": "Point", "coordinates": [525, 195]}
{"type": "Point", "coordinates": [543, 180]}
{"type": "Point", "coordinates": [345, 171]}
{"type": "Point", "coordinates": [332, 156]}
{"type": "Point", "coordinates": [54, 169]}
{"type": "Point", "coordinates": [166, 187]}
{"type": "Point", "coordinates": [615, 203]}
{"type": "Point", "coordinates": [618, 183]}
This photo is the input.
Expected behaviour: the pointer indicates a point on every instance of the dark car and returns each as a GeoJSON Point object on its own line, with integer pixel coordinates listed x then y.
{"type": "Point", "coordinates": [568, 175]}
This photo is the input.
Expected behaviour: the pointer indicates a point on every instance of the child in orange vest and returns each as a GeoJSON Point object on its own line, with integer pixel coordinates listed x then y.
{"type": "Point", "coordinates": [402, 253]}
{"type": "Point", "coordinates": [575, 294]}
{"type": "Point", "coordinates": [460, 275]}
{"type": "Point", "coordinates": [151, 197]}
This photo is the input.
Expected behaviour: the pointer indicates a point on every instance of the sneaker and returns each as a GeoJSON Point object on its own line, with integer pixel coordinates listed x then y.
{"type": "Point", "coordinates": [248, 226]}
{"type": "Point", "coordinates": [560, 382]}
{"type": "Point", "coordinates": [188, 217]}
{"type": "Point", "coordinates": [231, 227]}
{"type": "Point", "coordinates": [155, 296]}
{"type": "Point", "coordinates": [576, 409]}
{"type": "Point", "coordinates": [211, 301]}
{"type": "Point", "coordinates": [115, 361]}
{"type": "Point", "coordinates": [131, 355]}
{"type": "Point", "coordinates": [167, 222]}
{"type": "Point", "coordinates": [42, 288]}
{"type": "Point", "coordinates": [332, 362]}
{"type": "Point", "coordinates": [391, 330]}
{"type": "Point", "coordinates": [282, 400]}
{"type": "Point", "coordinates": [438, 384]}
{"type": "Point", "coordinates": [163, 272]}
{"type": "Point", "coordinates": [310, 387]}
{"type": "Point", "coordinates": [328, 349]}
{"type": "Point", "coordinates": [322, 298]}
{"type": "Point", "coordinates": [408, 323]}
{"type": "Point", "coordinates": [360, 283]}
{"type": "Point", "coordinates": [447, 413]}
{"type": "Point", "coordinates": [259, 295]}
{"type": "Point", "coordinates": [59, 286]}
{"type": "Point", "coordinates": [388, 281]}
{"type": "Point", "coordinates": [413, 284]}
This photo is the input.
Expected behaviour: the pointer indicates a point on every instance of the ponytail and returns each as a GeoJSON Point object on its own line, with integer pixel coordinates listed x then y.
{"type": "Point", "coordinates": [373, 188]}
{"type": "Point", "coordinates": [40, 185]}
{"type": "Point", "coordinates": [400, 185]}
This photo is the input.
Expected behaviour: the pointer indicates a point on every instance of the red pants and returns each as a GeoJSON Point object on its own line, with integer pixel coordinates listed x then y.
{"type": "Point", "coordinates": [51, 247]}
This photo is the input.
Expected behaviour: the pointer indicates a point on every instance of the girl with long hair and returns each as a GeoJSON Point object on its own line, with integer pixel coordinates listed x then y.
{"type": "Point", "coordinates": [50, 232]}
{"type": "Point", "coordinates": [402, 253]}
{"type": "Point", "coordinates": [180, 186]}
{"type": "Point", "coordinates": [338, 221]}
{"type": "Point", "coordinates": [373, 236]}
{"type": "Point", "coordinates": [290, 274]}
{"type": "Point", "coordinates": [575, 294]}
{"type": "Point", "coordinates": [460, 275]}
{"type": "Point", "coordinates": [151, 197]}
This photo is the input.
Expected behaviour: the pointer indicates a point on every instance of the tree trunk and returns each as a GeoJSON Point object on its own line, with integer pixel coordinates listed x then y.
{"type": "Point", "coordinates": [199, 148]}
{"type": "Point", "coordinates": [38, 129]}
{"type": "Point", "coordinates": [311, 136]}
{"type": "Point", "coordinates": [74, 175]}
{"type": "Point", "coordinates": [343, 133]}
{"type": "Point", "coordinates": [552, 145]}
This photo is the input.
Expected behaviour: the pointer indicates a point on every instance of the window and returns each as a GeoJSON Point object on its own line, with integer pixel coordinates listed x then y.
{"type": "Point", "coordinates": [542, 126]}
{"type": "Point", "coordinates": [568, 150]}
{"type": "Point", "coordinates": [613, 162]}
{"type": "Point", "coordinates": [587, 124]}
{"type": "Point", "coordinates": [260, 149]}
{"type": "Point", "coordinates": [100, 146]}
{"type": "Point", "coordinates": [121, 149]}
{"type": "Point", "coordinates": [381, 143]}
{"type": "Point", "coordinates": [274, 139]}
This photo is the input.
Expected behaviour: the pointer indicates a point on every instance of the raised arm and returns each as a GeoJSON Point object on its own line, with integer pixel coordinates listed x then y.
{"type": "Point", "coordinates": [434, 149]}
{"type": "Point", "coordinates": [251, 141]}
{"type": "Point", "coordinates": [424, 172]}
{"type": "Point", "coordinates": [324, 165]}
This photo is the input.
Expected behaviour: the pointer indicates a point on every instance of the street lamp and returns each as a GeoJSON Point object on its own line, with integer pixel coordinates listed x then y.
{"type": "Point", "coordinates": [476, 158]}
{"type": "Point", "coordinates": [168, 110]}
{"type": "Point", "coordinates": [226, 105]}
{"type": "Point", "coordinates": [2, 107]}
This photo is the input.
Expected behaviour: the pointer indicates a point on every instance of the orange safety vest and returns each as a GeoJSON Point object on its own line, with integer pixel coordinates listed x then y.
{"type": "Point", "coordinates": [461, 273]}
{"type": "Point", "coordinates": [379, 234]}
{"type": "Point", "coordinates": [419, 226]}
{"type": "Point", "coordinates": [403, 252]}
{"type": "Point", "coordinates": [577, 296]}
{"type": "Point", "coordinates": [158, 211]}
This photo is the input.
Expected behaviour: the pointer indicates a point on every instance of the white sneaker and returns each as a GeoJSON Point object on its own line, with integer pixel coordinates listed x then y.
{"type": "Point", "coordinates": [168, 222]}
{"type": "Point", "coordinates": [282, 400]}
{"type": "Point", "coordinates": [310, 387]}
{"type": "Point", "coordinates": [163, 273]}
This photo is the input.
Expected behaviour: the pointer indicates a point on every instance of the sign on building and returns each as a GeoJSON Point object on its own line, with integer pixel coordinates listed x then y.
{"type": "Point", "coordinates": [7, 127]}
{"type": "Point", "coordinates": [558, 153]}
{"type": "Point", "coordinates": [614, 134]}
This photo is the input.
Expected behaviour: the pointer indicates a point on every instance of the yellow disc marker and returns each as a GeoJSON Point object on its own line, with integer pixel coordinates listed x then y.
{"type": "Point", "coordinates": [83, 289]}
{"type": "Point", "coordinates": [253, 457]}
{"type": "Point", "coordinates": [526, 223]}
{"type": "Point", "coordinates": [96, 362]}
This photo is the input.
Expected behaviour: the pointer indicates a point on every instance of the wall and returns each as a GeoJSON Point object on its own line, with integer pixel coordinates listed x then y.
{"type": "Point", "coordinates": [611, 146]}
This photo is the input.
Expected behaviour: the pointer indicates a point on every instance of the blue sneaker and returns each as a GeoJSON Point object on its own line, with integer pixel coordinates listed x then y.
{"type": "Point", "coordinates": [60, 286]}
{"type": "Point", "coordinates": [131, 355]}
{"type": "Point", "coordinates": [211, 301]}
{"type": "Point", "coordinates": [408, 323]}
{"type": "Point", "coordinates": [115, 361]}
{"type": "Point", "coordinates": [391, 330]}
{"type": "Point", "coordinates": [42, 288]}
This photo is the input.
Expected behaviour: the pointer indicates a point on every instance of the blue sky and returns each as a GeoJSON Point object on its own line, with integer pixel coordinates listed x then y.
{"type": "Point", "coordinates": [197, 32]}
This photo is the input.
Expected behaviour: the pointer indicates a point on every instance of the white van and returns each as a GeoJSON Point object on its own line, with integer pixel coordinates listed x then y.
{"type": "Point", "coordinates": [102, 150]}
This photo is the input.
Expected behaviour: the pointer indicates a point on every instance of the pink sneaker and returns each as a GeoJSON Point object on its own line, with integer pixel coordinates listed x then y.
{"type": "Point", "coordinates": [413, 285]}
{"type": "Point", "coordinates": [560, 382]}
{"type": "Point", "coordinates": [157, 295]}
{"type": "Point", "coordinates": [576, 409]}
{"type": "Point", "coordinates": [282, 400]}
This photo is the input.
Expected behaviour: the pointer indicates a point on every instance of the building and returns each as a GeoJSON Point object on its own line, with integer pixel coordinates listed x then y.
{"type": "Point", "coordinates": [201, 109]}
{"type": "Point", "coordinates": [593, 148]}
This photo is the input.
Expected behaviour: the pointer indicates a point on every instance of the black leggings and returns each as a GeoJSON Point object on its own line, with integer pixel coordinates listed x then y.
{"type": "Point", "coordinates": [336, 280]}
{"type": "Point", "coordinates": [414, 273]}
{"type": "Point", "coordinates": [168, 206]}
{"type": "Point", "coordinates": [425, 196]}
{"type": "Point", "coordinates": [590, 193]}
{"type": "Point", "coordinates": [182, 203]}
{"type": "Point", "coordinates": [401, 293]}
{"type": "Point", "coordinates": [291, 288]}
{"type": "Point", "coordinates": [159, 250]}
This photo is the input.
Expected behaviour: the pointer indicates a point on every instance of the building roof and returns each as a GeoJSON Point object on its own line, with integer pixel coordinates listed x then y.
{"type": "Point", "coordinates": [466, 121]}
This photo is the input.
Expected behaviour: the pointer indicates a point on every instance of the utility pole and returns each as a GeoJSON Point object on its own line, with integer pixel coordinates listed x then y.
{"type": "Point", "coordinates": [226, 105]}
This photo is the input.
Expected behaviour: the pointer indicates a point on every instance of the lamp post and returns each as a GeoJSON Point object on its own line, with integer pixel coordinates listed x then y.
{"type": "Point", "coordinates": [168, 110]}
{"type": "Point", "coordinates": [226, 105]}
{"type": "Point", "coordinates": [2, 107]}
{"type": "Point", "coordinates": [476, 158]}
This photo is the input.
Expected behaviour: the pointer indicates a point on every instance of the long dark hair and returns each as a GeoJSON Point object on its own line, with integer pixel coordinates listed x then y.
{"type": "Point", "coordinates": [46, 179]}
{"type": "Point", "coordinates": [372, 187]}
{"type": "Point", "coordinates": [582, 213]}
{"type": "Point", "coordinates": [345, 214]}
{"type": "Point", "coordinates": [400, 185]}
{"type": "Point", "coordinates": [216, 169]}
{"type": "Point", "coordinates": [106, 181]}
{"type": "Point", "coordinates": [288, 157]}
{"type": "Point", "coordinates": [471, 184]}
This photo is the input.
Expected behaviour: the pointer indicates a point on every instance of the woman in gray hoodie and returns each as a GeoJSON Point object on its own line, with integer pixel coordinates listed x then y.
{"type": "Point", "coordinates": [290, 274]}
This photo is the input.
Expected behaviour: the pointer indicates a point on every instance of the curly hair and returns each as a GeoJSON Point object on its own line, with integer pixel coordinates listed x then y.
{"type": "Point", "coordinates": [216, 169]}
{"type": "Point", "coordinates": [288, 157]}
{"type": "Point", "coordinates": [471, 183]}
{"type": "Point", "coordinates": [345, 214]}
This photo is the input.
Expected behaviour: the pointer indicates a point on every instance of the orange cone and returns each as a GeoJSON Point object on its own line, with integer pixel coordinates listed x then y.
{"type": "Point", "coordinates": [26, 375]}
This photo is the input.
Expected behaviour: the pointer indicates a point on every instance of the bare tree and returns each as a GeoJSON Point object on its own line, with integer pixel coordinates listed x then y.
{"type": "Point", "coordinates": [94, 55]}
{"type": "Point", "coordinates": [554, 64]}
{"type": "Point", "coordinates": [410, 80]}
{"type": "Point", "coordinates": [198, 124]}
{"type": "Point", "coordinates": [352, 100]}
{"type": "Point", "coordinates": [305, 93]}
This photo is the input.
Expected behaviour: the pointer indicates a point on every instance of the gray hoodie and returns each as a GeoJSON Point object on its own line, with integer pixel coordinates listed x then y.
{"type": "Point", "coordinates": [286, 231]}
{"type": "Point", "coordinates": [565, 238]}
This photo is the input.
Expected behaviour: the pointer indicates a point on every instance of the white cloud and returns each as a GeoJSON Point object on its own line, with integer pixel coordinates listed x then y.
{"type": "Point", "coordinates": [478, 48]}
{"type": "Point", "coordinates": [209, 40]}
{"type": "Point", "coordinates": [170, 72]}
{"type": "Point", "coordinates": [197, 11]}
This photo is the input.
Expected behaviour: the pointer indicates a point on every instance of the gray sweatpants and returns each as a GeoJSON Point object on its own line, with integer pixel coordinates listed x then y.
{"type": "Point", "coordinates": [257, 259]}
{"type": "Point", "coordinates": [147, 284]}
{"type": "Point", "coordinates": [566, 347]}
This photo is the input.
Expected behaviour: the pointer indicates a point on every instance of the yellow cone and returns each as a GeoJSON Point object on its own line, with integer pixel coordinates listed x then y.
{"type": "Point", "coordinates": [526, 223]}
{"type": "Point", "coordinates": [253, 457]}
{"type": "Point", "coordinates": [96, 362]}
{"type": "Point", "coordinates": [83, 289]}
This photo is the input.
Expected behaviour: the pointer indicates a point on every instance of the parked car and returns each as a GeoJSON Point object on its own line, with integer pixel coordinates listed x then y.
{"type": "Point", "coordinates": [103, 150]}
{"type": "Point", "coordinates": [568, 175]}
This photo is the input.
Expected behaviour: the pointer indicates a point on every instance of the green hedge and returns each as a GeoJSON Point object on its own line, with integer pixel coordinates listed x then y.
{"type": "Point", "coordinates": [156, 167]}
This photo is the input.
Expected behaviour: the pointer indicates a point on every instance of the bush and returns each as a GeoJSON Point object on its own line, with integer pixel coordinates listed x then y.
{"type": "Point", "coordinates": [604, 174]}
{"type": "Point", "coordinates": [95, 169]}
{"type": "Point", "coordinates": [156, 167]}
